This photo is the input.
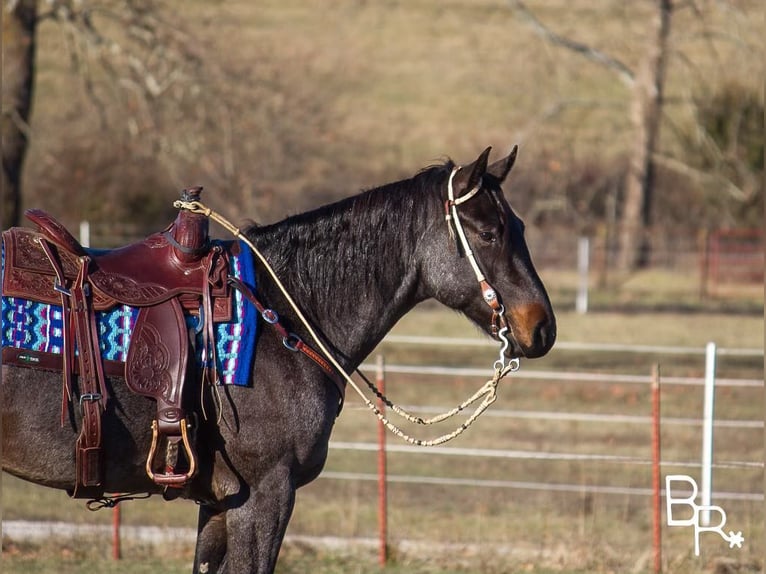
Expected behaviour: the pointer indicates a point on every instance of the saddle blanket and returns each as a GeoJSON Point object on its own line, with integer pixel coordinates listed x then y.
{"type": "Point", "coordinates": [39, 327]}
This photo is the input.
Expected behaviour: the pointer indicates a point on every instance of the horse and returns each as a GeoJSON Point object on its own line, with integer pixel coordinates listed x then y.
{"type": "Point", "coordinates": [354, 267]}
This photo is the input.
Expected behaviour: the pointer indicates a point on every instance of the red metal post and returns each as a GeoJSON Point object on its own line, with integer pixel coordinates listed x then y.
{"type": "Point", "coordinates": [382, 488]}
{"type": "Point", "coordinates": [116, 551]}
{"type": "Point", "coordinates": [713, 255]}
{"type": "Point", "coordinates": [656, 480]}
{"type": "Point", "coordinates": [703, 243]}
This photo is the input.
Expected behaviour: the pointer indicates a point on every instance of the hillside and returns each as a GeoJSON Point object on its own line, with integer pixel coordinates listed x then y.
{"type": "Point", "coordinates": [289, 103]}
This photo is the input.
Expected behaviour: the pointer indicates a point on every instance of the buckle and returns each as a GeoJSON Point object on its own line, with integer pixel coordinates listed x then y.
{"type": "Point", "coordinates": [61, 289]}
{"type": "Point", "coordinates": [291, 342]}
{"type": "Point", "coordinates": [270, 316]}
{"type": "Point", "coordinates": [90, 397]}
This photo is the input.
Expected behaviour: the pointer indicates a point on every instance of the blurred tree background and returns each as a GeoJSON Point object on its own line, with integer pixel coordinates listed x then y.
{"type": "Point", "coordinates": [280, 105]}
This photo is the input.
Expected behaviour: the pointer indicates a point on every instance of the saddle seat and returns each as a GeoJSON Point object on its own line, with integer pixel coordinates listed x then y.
{"type": "Point", "coordinates": [170, 272]}
{"type": "Point", "coordinates": [171, 263]}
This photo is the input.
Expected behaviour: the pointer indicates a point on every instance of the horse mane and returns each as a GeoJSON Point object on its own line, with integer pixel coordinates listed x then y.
{"type": "Point", "coordinates": [335, 252]}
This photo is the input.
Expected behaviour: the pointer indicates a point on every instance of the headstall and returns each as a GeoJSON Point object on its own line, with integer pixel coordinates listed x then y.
{"type": "Point", "coordinates": [498, 325]}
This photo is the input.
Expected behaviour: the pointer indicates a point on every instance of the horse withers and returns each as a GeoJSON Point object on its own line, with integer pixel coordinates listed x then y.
{"type": "Point", "coordinates": [355, 267]}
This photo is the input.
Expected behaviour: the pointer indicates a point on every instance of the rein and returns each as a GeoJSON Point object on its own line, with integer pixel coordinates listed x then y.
{"type": "Point", "coordinates": [488, 391]}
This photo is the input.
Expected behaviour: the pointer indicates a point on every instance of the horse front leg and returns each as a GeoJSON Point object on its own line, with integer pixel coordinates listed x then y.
{"type": "Point", "coordinates": [256, 528]}
{"type": "Point", "coordinates": [210, 553]}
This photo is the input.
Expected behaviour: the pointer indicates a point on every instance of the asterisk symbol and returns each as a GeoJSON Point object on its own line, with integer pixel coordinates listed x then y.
{"type": "Point", "coordinates": [736, 539]}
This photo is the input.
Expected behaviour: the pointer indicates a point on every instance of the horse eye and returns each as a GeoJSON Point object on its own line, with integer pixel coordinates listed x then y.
{"type": "Point", "coordinates": [487, 236]}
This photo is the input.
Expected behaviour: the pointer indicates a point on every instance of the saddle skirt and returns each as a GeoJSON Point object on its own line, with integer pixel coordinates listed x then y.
{"type": "Point", "coordinates": [36, 326]}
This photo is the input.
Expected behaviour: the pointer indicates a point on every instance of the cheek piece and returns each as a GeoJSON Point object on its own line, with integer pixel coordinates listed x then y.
{"type": "Point", "coordinates": [498, 326]}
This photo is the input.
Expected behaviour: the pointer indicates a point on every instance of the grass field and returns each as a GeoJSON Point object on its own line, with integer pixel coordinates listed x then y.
{"type": "Point", "coordinates": [308, 103]}
{"type": "Point", "coordinates": [437, 528]}
{"type": "Point", "coordinates": [295, 559]}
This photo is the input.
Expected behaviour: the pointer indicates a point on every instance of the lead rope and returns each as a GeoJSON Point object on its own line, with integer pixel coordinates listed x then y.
{"type": "Point", "coordinates": [488, 390]}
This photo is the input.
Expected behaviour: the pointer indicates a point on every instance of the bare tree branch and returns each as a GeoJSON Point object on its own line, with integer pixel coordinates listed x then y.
{"type": "Point", "coordinates": [561, 106]}
{"type": "Point", "coordinates": [625, 74]}
{"type": "Point", "coordinates": [703, 177]}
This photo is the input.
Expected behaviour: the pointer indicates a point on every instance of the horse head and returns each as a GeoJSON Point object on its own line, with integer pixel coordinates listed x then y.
{"type": "Point", "coordinates": [479, 263]}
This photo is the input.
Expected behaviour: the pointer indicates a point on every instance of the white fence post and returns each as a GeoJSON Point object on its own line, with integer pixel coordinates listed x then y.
{"type": "Point", "coordinates": [85, 233]}
{"type": "Point", "coordinates": [707, 432]}
{"type": "Point", "coordinates": [583, 268]}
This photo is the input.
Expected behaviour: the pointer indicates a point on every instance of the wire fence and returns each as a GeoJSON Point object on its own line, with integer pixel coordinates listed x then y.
{"type": "Point", "coordinates": [460, 457]}
{"type": "Point", "coordinates": [705, 260]}
{"type": "Point", "coordinates": [564, 377]}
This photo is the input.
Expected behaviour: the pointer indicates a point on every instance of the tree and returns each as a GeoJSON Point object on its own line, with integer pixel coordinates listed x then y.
{"type": "Point", "coordinates": [647, 86]}
{"type": "Point", "coordinates": [109, 43]}
{"type": "Point", "coordinates": [155, 102]}
{"type": "Point", "coordinates": [18, 48]}
{"type": "Point", "coordinates": [645, 115]}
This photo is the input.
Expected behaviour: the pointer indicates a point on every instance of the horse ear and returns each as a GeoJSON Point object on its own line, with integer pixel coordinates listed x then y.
{"type": "Point", "coordinates": [470, 175]}
{"type": "Point", "coordinates": [501, 168]}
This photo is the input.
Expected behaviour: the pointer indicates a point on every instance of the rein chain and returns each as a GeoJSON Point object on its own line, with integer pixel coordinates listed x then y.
{"type": "Point", "coordinates": [488, 391]}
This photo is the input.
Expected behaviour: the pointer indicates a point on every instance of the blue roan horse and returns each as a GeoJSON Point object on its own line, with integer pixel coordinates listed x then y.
{"type": "Point", "coordinates": [355, 268]}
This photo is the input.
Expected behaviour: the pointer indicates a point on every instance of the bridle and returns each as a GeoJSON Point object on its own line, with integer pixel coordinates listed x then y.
{"type": "Point", "coordinates": [498, 324]}
{"type": "Point", "coordinates": [487, 393]}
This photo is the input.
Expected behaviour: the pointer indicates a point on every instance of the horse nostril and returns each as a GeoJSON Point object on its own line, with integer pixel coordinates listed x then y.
{"type": "Point", "coordinates": [545, 335]}
{"type": "Point", "coordinates": [535, 328]}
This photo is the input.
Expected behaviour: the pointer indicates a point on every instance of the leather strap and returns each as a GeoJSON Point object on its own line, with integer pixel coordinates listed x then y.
{"type": "Point", "coordinates": [208, 333]}
{"type": "Point", "coordinates": [93, 394]}
{"type": "Point", "coordinates": [46, 361]}
{"type": "Point", "coordinates": [67, 352]}
{"type": "Point", "coordinates": [456, 231]}
{"type": "Point", "coordinates": [291, 340]}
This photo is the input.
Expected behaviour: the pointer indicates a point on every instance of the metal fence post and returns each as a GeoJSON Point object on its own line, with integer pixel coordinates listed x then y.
{"type": "Point", "coordinates": [85, 233]}
{"type": "Point", "coordinates": [382, 487]}
{"type": "Point", "coordinates": [707, 432]}
{"type": "Point", "coordinates": [583, 269]}
{"type": "Point", "coordinates": [656, 471]}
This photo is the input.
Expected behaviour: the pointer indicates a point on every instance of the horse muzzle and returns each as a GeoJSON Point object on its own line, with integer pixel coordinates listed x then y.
{"type": "Point", "coordinates": [533, 330]}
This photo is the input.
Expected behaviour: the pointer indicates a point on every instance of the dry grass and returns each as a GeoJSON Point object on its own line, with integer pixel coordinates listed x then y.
{"type": "Point", "coordinates": [327, 101]}
{"type": "Point", "coordinates": [298, 103]}
{"type": "Point", "coordinates": [594, 532]}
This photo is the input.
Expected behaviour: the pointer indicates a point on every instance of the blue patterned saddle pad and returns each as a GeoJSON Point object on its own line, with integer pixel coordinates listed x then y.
{"type": "Point", "coordinates": [39, 327]}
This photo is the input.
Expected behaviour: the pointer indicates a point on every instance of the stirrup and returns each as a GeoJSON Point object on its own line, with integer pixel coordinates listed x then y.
{"type": "Point", "coordinates": [175, 480]}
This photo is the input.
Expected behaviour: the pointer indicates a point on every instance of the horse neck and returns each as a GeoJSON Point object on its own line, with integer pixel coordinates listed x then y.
{"type": "Point", "coordinates": [352, 266]}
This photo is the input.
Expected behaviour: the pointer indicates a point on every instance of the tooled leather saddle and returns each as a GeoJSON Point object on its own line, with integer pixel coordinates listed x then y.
{"type": "Point", "coordinates": [169, 274]}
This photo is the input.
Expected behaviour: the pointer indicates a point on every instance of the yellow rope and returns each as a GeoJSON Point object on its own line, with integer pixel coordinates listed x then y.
{"type": "Point", "coordinates": [488, 391]}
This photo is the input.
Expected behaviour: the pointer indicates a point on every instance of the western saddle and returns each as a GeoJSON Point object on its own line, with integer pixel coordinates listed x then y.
{"type": "Point", "coordinates": [169, 274]}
